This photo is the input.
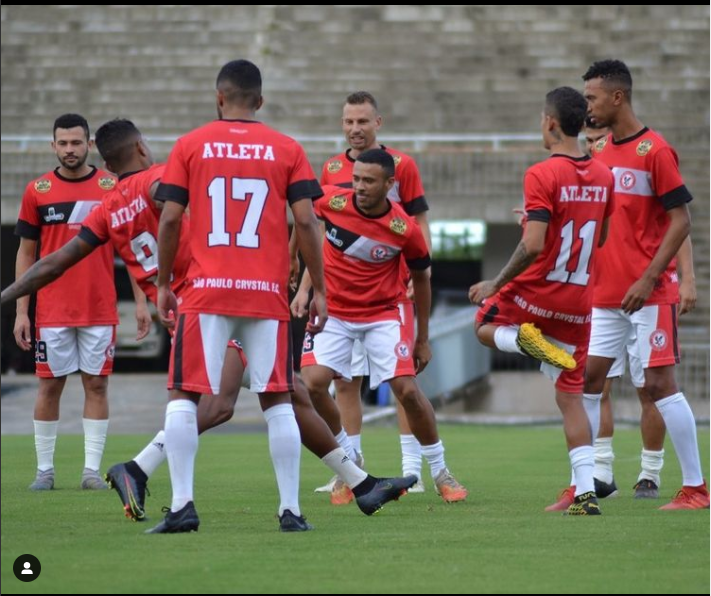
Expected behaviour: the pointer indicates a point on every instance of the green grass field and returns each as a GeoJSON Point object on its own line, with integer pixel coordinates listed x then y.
{"type": "Point", "coordinates": [500, 540]}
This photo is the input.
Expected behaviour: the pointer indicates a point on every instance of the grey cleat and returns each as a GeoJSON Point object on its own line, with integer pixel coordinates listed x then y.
{"type": "Point", "coordinates": [646, 489]}
{"type": "Point", "coordinates": [91, 480]}
{"type": "Point", "coordinates": [43, 480]}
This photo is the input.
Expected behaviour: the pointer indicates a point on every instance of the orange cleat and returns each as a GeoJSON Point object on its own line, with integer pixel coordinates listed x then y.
{"type": "Point", "coordinates": [565, 499]}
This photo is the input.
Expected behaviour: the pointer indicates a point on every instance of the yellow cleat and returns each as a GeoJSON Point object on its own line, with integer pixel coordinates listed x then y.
{"type": "Point", "coordinates": [531, 341]}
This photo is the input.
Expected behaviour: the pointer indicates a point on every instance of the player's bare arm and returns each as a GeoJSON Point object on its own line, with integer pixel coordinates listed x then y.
{"type": "Point", "coordinates": [47, 269]}
{"type": "Point", "coordinates": [309, 235]}
{"type": "Point", "coordinates": [143, 315]}
{"type": "Point", "coordinates": [423, 302]}
{"type": "Point", "coordinates": [168, 235]}
{"type": "Point", "coordinates": [679, 226]}
{"type": "Point", "coordinates": [526, 252]}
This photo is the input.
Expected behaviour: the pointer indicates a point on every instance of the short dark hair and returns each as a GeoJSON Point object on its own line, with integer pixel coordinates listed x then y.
{"type": "Point", "coordinates": [569, 107]}
{"type": "Point", "coordinates": [380, 157]}
{"type": "Point", "coordinates": [361, 97]}
{"type": "Point", "coordinates": [114, 139]}
{"type": "Point", "coordinates": [71, 121]}
{"type": "Point", "coordinates": [241, 83]}
{"type": "Point", "coordinates": [614, 72]}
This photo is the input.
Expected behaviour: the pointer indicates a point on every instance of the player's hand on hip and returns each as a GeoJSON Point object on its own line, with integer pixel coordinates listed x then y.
{"type": "Point", "coordinates": [481, 291]}
{"type": "Point", "coordinates": [637, 295]}
{"type": "Point", "coordinates": [22, 332]}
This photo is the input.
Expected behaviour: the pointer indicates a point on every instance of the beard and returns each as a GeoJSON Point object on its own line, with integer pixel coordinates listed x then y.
{"type": "Point", "coordinates": [80, 160]}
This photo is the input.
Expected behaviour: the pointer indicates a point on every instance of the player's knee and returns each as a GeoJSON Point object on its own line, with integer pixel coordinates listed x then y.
{"type": "Point", "coordinates": [660, 386]}
{"type": "Point", "coordinates": [96, 387]}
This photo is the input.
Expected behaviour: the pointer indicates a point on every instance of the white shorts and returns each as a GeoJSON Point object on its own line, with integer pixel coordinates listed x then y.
{"type": "Point", "coordinates": [359, 360]}
{"type": "Point", "coordinates": [60, 351]}
{"type": "Point", "coordinates": [636, 370]}
{"type": "Point", "coordinates": [388, 351]}
{"type": "Point", "coordinates": [651, 331]}
{"type": "Point", "coordinates": [198, 352]}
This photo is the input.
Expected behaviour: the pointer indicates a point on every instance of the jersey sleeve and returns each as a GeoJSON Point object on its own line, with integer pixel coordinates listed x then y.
{"type": "Point", "coordinates": [28, 222]}
{"type": "Point", "coordinates": [666, 179]}
{"type": "Point", "coordinates": [302, 180]}
{"type": "Point", "coordinates": [412, 193]}
{"type": "Point", "coordinates": [537, 198]}
{"type": "Point", "coordinates": [95, 228]}
{"type": "Point", "coordinates": [415, 249]}
{"type": "Point", "coordinates": [175, 180]}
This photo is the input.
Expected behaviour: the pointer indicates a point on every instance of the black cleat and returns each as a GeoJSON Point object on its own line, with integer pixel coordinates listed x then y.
{"type": "Point", "coordinates": [384, 491]}
{"type": "Point", "coordinates": [288, 522]}
{"type": "Point", "coordinates": [185, 520]}
{"type": "Point", "coordinates": [603, 490]}
{"type": "Point", "coordinates": [131, 491]}
{"type": "Point", "coordinates": [585, 504]}
{"type": "Point", "coordinates": [646, 489]}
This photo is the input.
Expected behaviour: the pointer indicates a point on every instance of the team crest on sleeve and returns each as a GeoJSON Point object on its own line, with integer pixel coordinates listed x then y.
{"type": "Point", "coordinates": [658, 340]}
{"type": "Point", "coordinates": [43, 185]}
{"type": "Point", "coordinates": [338, 202]}
{"type": "Point", "coordinates": [644, 147]}
{"type": "Point", "coordinates": [398, 226]}
{"type": "Point", "coordinates": [106, 183]}
{"type": "Point", "coordinates": [334, 166]}
{"type": "Point", "coordinates": [600, 144]}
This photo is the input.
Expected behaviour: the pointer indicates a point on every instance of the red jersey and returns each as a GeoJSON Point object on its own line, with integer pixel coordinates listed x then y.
{"type": "Point", "coordinates": [129, 220]}
{"type": "Point", "coordinates": [237, 177]}
{"type": "Point", "coordinates": [362, 256]}
{"type": "Point", "coordinates": [574, 196]}
{"type": "Point", "coordinates": [407, 190]}
{"type": "Point", "coordinates": [53, 208]}
{"type": "Point", "coordinates": [647, 185]}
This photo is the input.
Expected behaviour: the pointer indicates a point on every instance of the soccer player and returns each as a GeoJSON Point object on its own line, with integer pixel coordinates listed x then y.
{"type": "Point", "coordinates": [361, 122]}
{"type": "Point", "coordinates": [540, 303]}
{"type": "Point", "coordinates": [652, 423]}
{"type": "Point", "coordinates": [636, 290]}
{"type": "Point", "coordinates": [128, 219]}
{"type": "Point", "coordinates": [367, 236]}
{"type": "Point", "coordinates": [237, 176]}
{"type": "Point", "coordinates": [76, 316]}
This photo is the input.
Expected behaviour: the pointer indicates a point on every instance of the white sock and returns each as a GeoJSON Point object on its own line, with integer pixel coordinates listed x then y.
{"type": "Point", "coordinates": [152, 455]}
{"type": "Point", "coordinates": [346, 469]}
{"type": "Point", "coordinates": [582, 460]}
{"type": "Point", "coordinates": [682, 429]}
{"type": "Point", "coordinates": [434, 454]}
{"type": "Point", "coordinates": [345, 442]}
{"type": "Point", "coordinates": [285, 449]}
{"type": "Point", "coordinates": [45, 440]}
{"type": "Point", "coordinates": [94, 440]}
{"type": "Point", "coordinates": [604, 456]}
{"type": "Point", "coordinates": [652, 464]}
{"type": "Point", "coordinates": [572, 477]}
{"type": "Point", "coordinates": [591, 403]}
{"type": "Point", "coordinates": [181, 445]}
{"type": "Point", "coordinates": [505, 339]}
{"type": "Point", "coordinates": [411, 456]}
{"type": "Point", "coordinates": [355, 441]}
